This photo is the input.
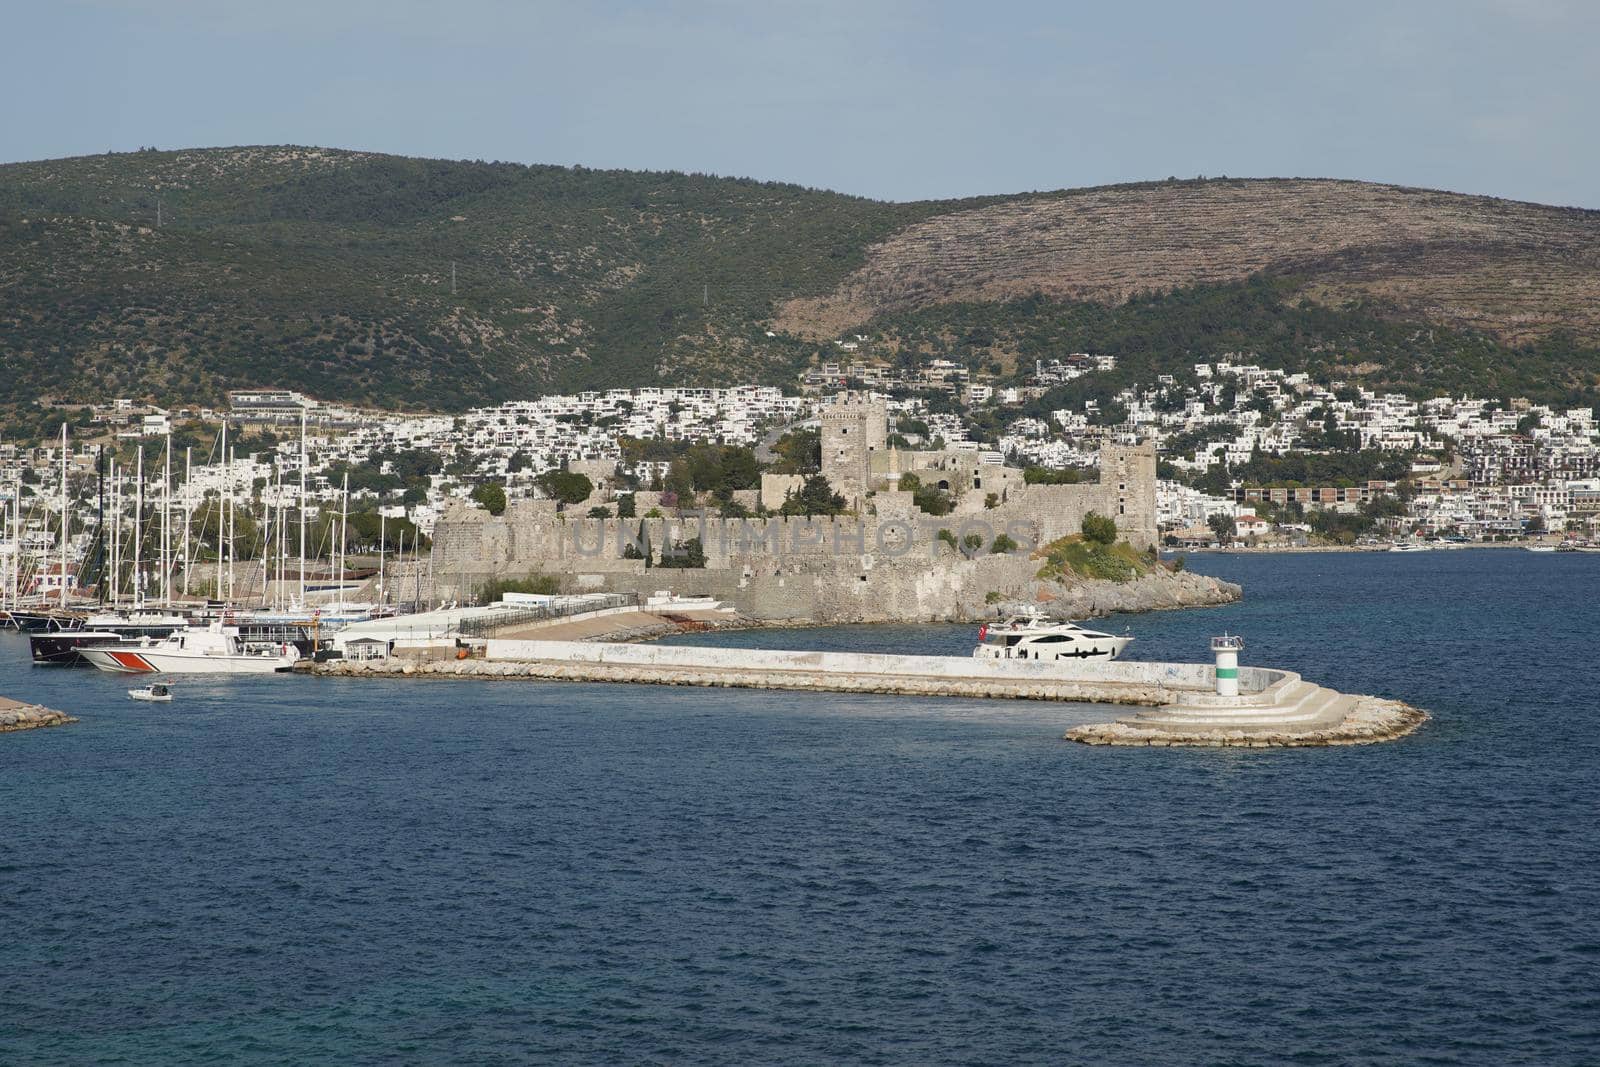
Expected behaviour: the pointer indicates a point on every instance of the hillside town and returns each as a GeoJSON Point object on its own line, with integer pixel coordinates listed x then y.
{"type": "Point", "coordinates": [1249, 456]}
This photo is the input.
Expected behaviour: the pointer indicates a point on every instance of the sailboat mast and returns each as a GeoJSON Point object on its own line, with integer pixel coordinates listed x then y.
{"type": "Point", "coordinates": [16, 543]}
{"type": "Point", "coordinates": [302, 505]}
{"type": "Point", "coordinates": [344, 528]}
{"type": "Point", "coordinates": [64, 523]}
{"type": "Point", "coordinates": [116, 534]}
{"type": "Point", "coordinates": [100, 523]}
{"type": "Point", "coordinates": [382, 534]}
{"type": "Point", "coordinates": [233, 514]}
{"type": "Point", "coordinates": [283, 548]}
{"type": "Point", "coordinates": [166, 527]}
{"type": "Point", "coordinates": [138, 532]}
{"type": "Point", "coordinates": [188, 510]}
{"type": "Point", "coordinates": [222, 508]}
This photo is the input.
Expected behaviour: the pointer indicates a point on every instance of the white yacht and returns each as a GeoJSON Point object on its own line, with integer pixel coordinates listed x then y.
{"type": "Point", "coordinates": [1410, 546]}
{"type": "Point", "coordinates": [1031, 636]}
{"type": "Point", "coordinates": [216, 649]}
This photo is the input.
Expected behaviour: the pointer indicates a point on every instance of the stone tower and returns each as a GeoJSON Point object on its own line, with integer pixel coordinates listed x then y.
{"type": "Point", "coordinates": [855, 426]}
{"type": "Point", "coordinates": [1129, 473]}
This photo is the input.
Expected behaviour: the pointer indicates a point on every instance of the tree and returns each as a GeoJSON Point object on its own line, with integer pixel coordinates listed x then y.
{"type": "Point", "coordinates": [492, 496]}
{"type": "Point", "coordinates": [1051, 476]}
{"type": "Point", "coordinates": [799, 452]}
{"type": "Point", "coordinates": [1099, 528]}
{"type": "Point", "coordinates": [929, 500]}
{"type": "Point", "coordinates": [565, 486]}
{"type": "Point", "coordinates": [816, 497]}
{"type": "Point", "coordinates": [625, 506]}
{"type": "Point", "coordinates": [1222, 526]}
{"type": "Point", "coordinates": [1003, 544]}
{"type": "Point", "coordinates": [686, 554]}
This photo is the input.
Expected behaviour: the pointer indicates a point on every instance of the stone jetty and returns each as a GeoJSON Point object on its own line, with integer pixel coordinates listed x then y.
{"type": "Point", "coordinates": [1270, 707]}
{"type": "Point", "coordinates": [1362, 720]}
{"type": "Point", "coordinates": [15, 715]}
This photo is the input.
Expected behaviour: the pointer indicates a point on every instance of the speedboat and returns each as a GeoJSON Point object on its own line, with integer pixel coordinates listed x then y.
{"type": "Point", "coordinates": [215, 649]}
{"type": "Point", "coordinates": [155, 692]}
{"type": "Point", "coordinates": [1539, 548]}
{"type": "Point", "coordinates": [1410, 546]}
{"type": "Point", "coordinates": [1032, 636]}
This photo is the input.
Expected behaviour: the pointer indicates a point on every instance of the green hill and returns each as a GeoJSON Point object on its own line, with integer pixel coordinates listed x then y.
{"type": "Point", "coordinates": [331, 271]}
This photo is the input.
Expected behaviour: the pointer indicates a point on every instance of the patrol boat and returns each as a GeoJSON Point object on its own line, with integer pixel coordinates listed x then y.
{"type": "Point", "coordinates": [217, 649]}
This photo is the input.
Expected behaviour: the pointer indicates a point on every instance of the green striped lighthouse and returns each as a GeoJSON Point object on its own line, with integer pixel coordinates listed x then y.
{"type": "Point", "coordinates": [1227, 648]}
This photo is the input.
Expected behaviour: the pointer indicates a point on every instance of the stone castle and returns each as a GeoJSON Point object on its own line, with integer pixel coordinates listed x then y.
{"type": "Point", "coordinates": [887, 560]}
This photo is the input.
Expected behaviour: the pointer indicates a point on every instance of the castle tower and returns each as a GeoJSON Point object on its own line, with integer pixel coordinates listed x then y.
{"type": "Point", "coordinates": [1128, 473]}
{"type": "Point", "coordinates": [855, 426]}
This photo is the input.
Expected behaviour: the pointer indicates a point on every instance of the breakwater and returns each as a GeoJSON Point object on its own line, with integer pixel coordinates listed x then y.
{"type": "Point", "coordinates": [15, 715]}
{"type": "Point", "coordinates": [1273, 707]}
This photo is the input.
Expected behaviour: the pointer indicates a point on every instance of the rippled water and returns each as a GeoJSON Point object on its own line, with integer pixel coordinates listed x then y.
{"type": "Point", "coordinates": [355, 871]}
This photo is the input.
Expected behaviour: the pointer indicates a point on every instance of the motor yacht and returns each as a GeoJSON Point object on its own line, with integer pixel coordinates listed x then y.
{"type": "Point", "coordinates": [1032, 636]}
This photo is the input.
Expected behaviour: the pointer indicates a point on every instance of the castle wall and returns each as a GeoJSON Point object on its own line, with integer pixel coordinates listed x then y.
{"type": "Point", "coordinates": [885, 563]}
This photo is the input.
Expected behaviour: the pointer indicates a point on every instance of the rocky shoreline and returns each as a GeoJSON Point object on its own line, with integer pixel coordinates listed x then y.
{"type": "Point", "coordinates": [18, 716]}
{"type": "Point", "coordinates": [1368, 722]}
{"type": "Point", "coordinates": [1159, 591]}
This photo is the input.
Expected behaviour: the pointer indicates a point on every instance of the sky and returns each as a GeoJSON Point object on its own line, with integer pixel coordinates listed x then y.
{"type": "Point", "coordinates": [897, 101]}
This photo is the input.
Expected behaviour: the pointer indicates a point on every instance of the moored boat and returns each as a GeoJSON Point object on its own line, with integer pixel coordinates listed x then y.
{"type": "Point", "coordinates": [1031, 636]}
{"type": "Point", "coordinates": [215, 649]}
{"type": "Point", "coordinates": [105, 630]}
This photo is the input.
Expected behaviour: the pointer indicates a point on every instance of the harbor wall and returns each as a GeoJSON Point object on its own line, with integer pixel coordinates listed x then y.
{"type": "Point", "coordinates": [1171, 675]}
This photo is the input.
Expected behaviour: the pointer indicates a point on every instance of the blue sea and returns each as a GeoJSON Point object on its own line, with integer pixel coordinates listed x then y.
{"type": "Point", "coordinates": [301, 870]}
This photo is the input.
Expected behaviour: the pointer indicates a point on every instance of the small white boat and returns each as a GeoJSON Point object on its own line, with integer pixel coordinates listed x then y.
{"type": "Point", "coordinates": [1031, 636]}
{"type": "Point", "coordinates": [155, 692]}
{"type": "Point", "coordinates": [1539, 548]}
{"type": "Point", "coordinates": [1410, 546]}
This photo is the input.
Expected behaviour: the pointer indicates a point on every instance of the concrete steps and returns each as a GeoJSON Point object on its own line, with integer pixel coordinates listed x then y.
{"type": "Point", "coordinates": [1301, 705]}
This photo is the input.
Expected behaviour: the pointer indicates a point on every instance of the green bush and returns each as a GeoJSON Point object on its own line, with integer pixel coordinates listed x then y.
{"type": "Point", "coordinates": [565, 486]}
{"type": "Point", "coordinates": [1051, 476]}
{"type": "Point", "coordinates": [1075, 555]}
{"type": "Point", "coordinates": [491, 496]}
{"type": "Point", "coordinates": [536, 583]}
{"type": "Point", "coordinates": [1099, 528]}
{"type": "Point", "coordinates": [685, 554]}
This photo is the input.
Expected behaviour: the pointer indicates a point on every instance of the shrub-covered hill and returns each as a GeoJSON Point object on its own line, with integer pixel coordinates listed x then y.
{"type": "Point", "coordinates": [437, 284]}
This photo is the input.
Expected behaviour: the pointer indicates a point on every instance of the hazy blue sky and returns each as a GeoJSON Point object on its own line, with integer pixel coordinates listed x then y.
{"type": "Point", "coordinates": [893, 100]}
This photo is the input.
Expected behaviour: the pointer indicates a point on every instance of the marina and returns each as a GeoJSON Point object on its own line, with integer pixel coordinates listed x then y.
{"type": "Point", "coordinates": [291, 808]}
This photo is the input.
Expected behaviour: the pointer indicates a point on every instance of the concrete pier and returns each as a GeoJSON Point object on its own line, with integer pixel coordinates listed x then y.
{"type": "Point", "coordinates": [1272, 707]}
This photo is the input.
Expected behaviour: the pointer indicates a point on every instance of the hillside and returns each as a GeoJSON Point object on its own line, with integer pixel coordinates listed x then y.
{"type": "Point", "coordinates": [332, 271]}
{"type": "Point", "coordinates": [1515, 271]}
